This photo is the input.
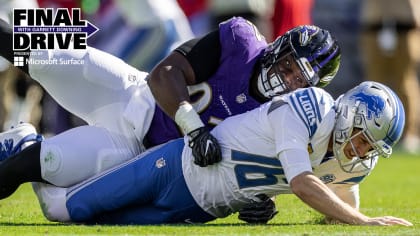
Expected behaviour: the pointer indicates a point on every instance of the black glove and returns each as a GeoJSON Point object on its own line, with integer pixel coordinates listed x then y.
{"type": "Point", "coordinates": [205, 148]}
{"type": "Point", "coordinates": [259, 212]}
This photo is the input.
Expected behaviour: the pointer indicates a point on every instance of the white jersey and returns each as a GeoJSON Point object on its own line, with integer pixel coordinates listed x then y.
{"type": "Point", "coordinates": [345, 185]}
{"type": "Point", "coordinates": [263, 150]}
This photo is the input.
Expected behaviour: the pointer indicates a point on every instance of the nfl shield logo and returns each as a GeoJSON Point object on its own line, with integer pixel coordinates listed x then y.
{"type": "Point", "coordinates": [160, 163]}
{"type": "Point", "coordinates": [241, 98]}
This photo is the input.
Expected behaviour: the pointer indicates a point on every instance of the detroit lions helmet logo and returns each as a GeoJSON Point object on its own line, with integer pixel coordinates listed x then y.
{"type": "Point", "coordinates": [375, 105]}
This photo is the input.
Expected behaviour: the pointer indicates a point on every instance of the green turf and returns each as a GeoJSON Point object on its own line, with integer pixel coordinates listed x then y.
{"type": "Point", "coordinates": [392, 189]}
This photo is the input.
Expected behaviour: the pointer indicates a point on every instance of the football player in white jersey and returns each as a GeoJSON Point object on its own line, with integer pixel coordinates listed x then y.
{"type": "Point", "coordinates": [116, 101]}
{"type": "Point", "coordinates": [302, 143]}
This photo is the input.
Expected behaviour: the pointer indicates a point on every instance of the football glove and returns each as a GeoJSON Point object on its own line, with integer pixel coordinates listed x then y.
{"type": "Point", "coordinates": [259, 212]}
{"type": "Point", "coordinates": [205, 147]}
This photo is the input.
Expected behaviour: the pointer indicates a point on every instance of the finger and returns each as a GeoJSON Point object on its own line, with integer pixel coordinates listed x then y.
{"type": "Point", "coordinates": [398, 221]}
{"type": "Point", "coordinates": [390, 220]}
{"type": "Point", "coordinates": [203, 160]}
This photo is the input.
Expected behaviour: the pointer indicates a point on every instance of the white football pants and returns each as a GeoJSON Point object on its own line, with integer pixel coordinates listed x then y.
{"type": "Point", "coordinates": [111, 96]}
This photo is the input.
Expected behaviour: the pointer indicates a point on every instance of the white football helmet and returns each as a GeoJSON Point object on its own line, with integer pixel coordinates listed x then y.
{"type": "Point", "coordinates": [377, 112]}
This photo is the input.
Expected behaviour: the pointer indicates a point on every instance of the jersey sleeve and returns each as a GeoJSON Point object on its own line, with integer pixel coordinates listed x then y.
{"type": "Point", "coordinates": [307, 106]}
{"type": "Point", "coordinates": [203, 54]}
{"type": "Point", "coordinates": [291, 139]}
{"type": "Point", "coordinates": [240, 39]}
{"type": "Point", "coordinates": [298, 120]}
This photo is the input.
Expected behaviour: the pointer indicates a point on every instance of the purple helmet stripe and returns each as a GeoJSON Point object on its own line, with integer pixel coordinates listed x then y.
{"type": "Point", "coordinates": [322, 63]}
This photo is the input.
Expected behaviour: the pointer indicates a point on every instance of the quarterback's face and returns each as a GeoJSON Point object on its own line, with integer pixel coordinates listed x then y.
{"type": "Point", "coordinates": [290, 72]}
{"type": "Point", "coordinates": [358, 146]}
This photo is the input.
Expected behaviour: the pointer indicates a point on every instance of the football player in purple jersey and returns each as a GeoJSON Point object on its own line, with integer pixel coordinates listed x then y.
{"type": "Point", "coordinates": [226, 72]}
{"type": "Point", "coordinates": [230, 71]}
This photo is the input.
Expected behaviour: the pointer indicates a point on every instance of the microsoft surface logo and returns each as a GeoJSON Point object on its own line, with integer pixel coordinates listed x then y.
{"type": "Point", "coordinates": [18, 61]}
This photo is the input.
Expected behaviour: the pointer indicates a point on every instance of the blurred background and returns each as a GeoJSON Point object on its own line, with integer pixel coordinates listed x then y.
{"type": "Point", "coordinates": [379, 39]}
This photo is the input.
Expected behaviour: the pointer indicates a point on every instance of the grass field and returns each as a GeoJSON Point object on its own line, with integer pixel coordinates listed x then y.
{"type": "Point", "coordinates": [392, 189]}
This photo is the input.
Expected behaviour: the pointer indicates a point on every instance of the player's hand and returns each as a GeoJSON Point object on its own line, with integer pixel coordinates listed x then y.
{"type": "Point", "coordinates": [259, 212]}
{"type": "Point", "coordinates": [205, 147]}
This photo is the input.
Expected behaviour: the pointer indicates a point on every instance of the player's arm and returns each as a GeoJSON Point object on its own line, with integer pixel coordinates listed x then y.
{"type": "Point", "coordinates": [349, 194]}
{"type": "Point", "coordinates": [311, 190]}
{"type": "Point", "coordinates": [168, 82]}
{"type": "Point", "coordinates": [316, 194]}
{"type": "Point", "coordinates": [193, 62]}
{"type": "Point", "coordinates": [347, 190]}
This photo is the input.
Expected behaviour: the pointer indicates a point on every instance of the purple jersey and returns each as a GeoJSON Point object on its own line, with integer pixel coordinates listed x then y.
{"type": "Point", "coordinates": [226, 92]}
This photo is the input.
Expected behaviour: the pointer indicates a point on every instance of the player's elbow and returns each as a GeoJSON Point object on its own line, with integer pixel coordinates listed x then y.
{"type": "Point", "coordinates": [299, 186]}
{"type": "Point", "coordinates": [157, 76]}
{"type": "Point", "coordinates": [174, 69]}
